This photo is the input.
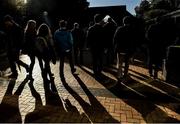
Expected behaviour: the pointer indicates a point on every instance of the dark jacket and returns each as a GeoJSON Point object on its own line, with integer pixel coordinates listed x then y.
{"type": "Point", "coordinates": [15, 38]}
{"type": "Point", "coordinates": [29, 43]}
{"type": "Point", "coordinates": [2, 42]}
{"type": "Point", "coordinates": [109, 30]}
{"type": "Point", "coordinates": [64, 40]}
{"type": "Point", "coordinates": [78, 37]}
{"type": "Point", "coordinates": [125, 39]}
{"type": "Point", "coordinates": [95, 38]}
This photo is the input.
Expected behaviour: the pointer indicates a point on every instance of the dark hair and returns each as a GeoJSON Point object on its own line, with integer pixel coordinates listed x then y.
{"type": "Point", "coordinates": [98, 18]}
{"type": "Point", "coordinates": [76, 24]}
{"type": "Point", "coordinates": [8, 18]}
{"type": "Point", "coordinates": [29, 24]}
{"type": "Point", "coordinates": [62, 23]}
{"type": "Point", "coordinates": [128, 20]}
{"type": "Point", "coordinates": [43, 30]}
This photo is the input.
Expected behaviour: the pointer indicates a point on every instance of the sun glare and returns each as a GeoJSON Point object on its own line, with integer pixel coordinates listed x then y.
{"type": "Point", "coordinates": [25, 1]}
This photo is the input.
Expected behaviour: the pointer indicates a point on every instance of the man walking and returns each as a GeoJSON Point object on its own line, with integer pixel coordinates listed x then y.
{"type": "Point", "coordinates": [64, 41]}
{"type": "Point", "coordinates": [14, 38]}
{"type": "Point", "coordinates": [95, 41]}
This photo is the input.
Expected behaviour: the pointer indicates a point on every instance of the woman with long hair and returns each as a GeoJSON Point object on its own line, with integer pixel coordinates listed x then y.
{"type": "Point", "coordinates": [45, 51]}
{"type": "Point", "coordinates": [29, 44]}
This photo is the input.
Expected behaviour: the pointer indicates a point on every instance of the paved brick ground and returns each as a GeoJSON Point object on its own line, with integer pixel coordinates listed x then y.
{"type": "Point", "coordinates": [83, 99]}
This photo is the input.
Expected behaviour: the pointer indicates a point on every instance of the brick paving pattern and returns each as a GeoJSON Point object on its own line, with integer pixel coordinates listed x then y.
{"type": "Point", "coordinates": [81, 98]}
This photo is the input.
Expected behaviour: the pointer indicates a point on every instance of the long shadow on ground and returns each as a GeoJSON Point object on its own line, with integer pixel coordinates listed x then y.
{"type": "Point", "coordinates": [56, 110]}
{"type": "Point", "coordinates": [152, 94]}
{"type": "Point", "coordinates": [95, 111]}
{"type": "Point", "coordinates": [9, 107]}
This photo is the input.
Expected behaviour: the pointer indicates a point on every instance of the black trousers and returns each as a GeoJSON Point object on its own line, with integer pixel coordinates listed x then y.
{"type": "Point", "coordinates": [97, 56]}
{"type": "Point", "coordinates": [44, 64]}
{"type": "Point", "coordinates": [32, 58]}
{"type": "Point", "coordinates": [69, 55]}
{"type": "Point", "coordinates": [13, 60]}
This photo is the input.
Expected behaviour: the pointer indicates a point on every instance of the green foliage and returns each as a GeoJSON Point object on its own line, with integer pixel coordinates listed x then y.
{"type": "Point", "coordinates": [161, 4]}
{"type": "Point", "coordinates": [153, 13]}
{"type": "Point", "coordinates": [149, 9]}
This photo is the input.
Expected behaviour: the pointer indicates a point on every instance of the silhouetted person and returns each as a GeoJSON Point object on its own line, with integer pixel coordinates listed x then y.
{"type": "Point", "coordinates": [109, 30]}
{"type": "Point", "coordinates": [96, 43]}
{"type": "Point", "coordinates": [160, 35]}
{"type": "Point", "coordinates": [14, 38]}
{"type": "Point", "coordinates": [170, 33]}
{"type": "Point", "coordinates": [154, 36]}
{"type": "Point", "coordinates": [2, 40]}
{"type": "Point", "coordinates": [29, 43]}
{"type": "Point", "coordinates": [3, 46]}
{"type": "Point", "coordinates": [124, 40]}
{"type": "Point", "coordinates": [78, 42]}
{"type": "Point", "coordinates": [64, 41]}
{"type": "Point", "coordinates": [45, 52]}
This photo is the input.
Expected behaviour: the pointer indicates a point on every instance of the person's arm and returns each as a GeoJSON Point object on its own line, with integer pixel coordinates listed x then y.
{"type": "Point", "coordinates": [116, 38]}
{"type": "Point", "coordinates": [70, 38]}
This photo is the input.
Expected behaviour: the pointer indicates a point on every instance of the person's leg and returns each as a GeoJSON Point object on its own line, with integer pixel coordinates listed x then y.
{"type": "Point", "coordinates": [19, 62]}
{"type": "Point", "coordinates": [48, 68]}
{"type": "Point", "coordinates": [51, 84]}
{"type": "Point", "coordinates": [100, 61]}
{"type": "Point", "coordinates": [112, 55]}
{"type": "Point", "coordinates": [76, 55]}
{"type": "Point", "coordinates": [61, 66]}
{"type": "Point", "coordinates": [155, 71]}
{"type": "Point", "coordinates": [81, 56]}
{"type": "Point", "coordinates": [70, 57]}
{"type": "Point", "coordinates": [40, 64]}
{"type": "Point", "coordinates": [126, 68]}
{"type": "Point", "coordinates": [109, 55]}
{"type": "Point", "coordinates": [13, 67]}
{"type": "Point", "coordinates": [150, 63]}
{"type": "Point", "coordinates": [95, 62]}
{"type": "Point", "coordinates": [120, 65]}
{"type": "Point", "coordinates": [32, 58]}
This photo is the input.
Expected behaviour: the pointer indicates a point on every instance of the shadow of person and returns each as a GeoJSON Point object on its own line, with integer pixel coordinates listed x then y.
{"type": "Point", "coordinates": [115, 87]}
{"type": "Point", "coordinates": [55, 110]}
{"type": "Point", "coordinates": [151, 112]}
{"type": "Point", "coordinates": [95, 111]}
{"type": "Point", "coordinates": [140, 74]}
{"type": "Point", "coordinates": [132, 93]}
{"type": "Point", "coordinates": [9, 107]}
{"type": "Point", "coordinates": [133, 89]}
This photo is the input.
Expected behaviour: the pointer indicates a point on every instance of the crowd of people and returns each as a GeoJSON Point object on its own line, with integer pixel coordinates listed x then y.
{"type": "Point", "coordinates": [104, 36]}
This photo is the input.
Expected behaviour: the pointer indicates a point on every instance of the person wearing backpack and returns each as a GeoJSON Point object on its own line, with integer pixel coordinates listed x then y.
{"type": "Point", "coordinates": [64, 41]}
{"type": "Point", "coordinates": [44, 49]}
